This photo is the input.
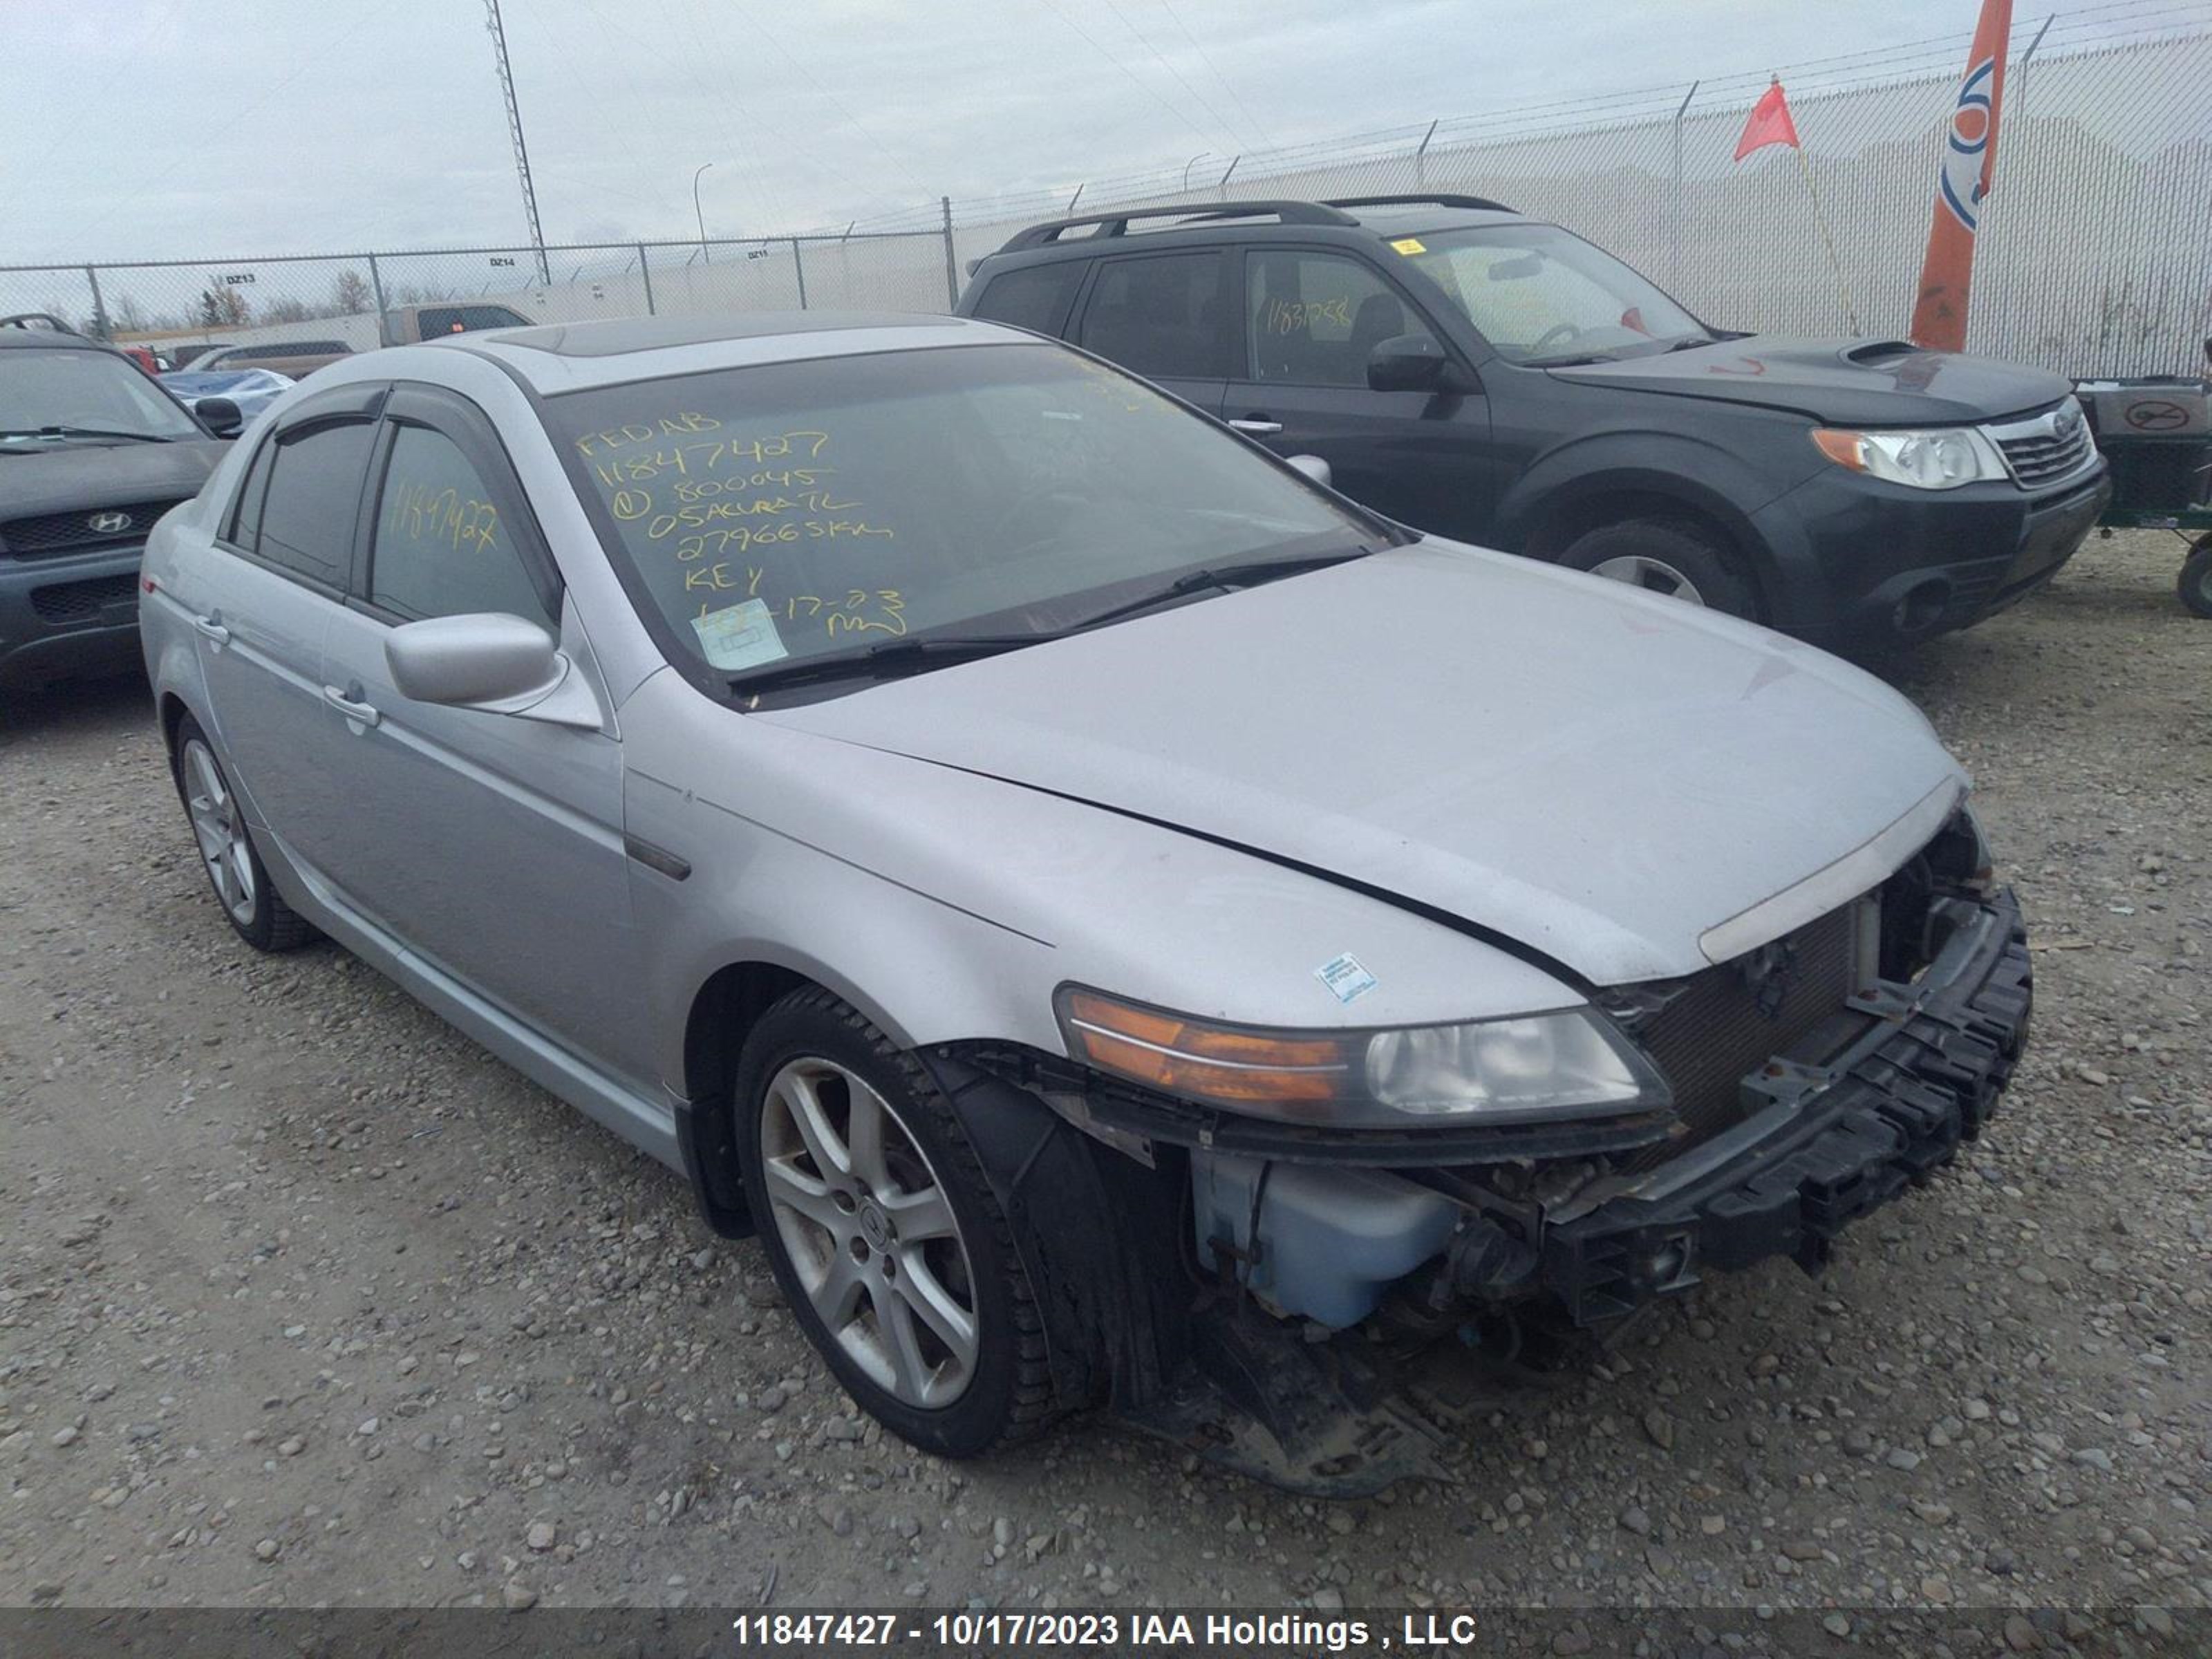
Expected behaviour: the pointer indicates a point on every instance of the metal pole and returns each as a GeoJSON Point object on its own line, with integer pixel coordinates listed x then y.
{"type": "Point", "coordinates": [99, 307]}
{"type": "Point", "coordinates": [1223, 186]}
{"type": "Point", "coordinates": [645, 271]}
{"type": "Point", "coordinates": [1078, 196]}
{"type": "Point", "coordinates": [376, 287]}
{"type": "Point", "coordinates": [951, 260]}
{"type": "Point", "coordinates": [798, 270]}
{"type": "Point", "coordinates": [1675, 264]}
{"type": "Point", "coordinates": [1421, 159]}
{"type": "Point", "coordinates": [514, 131]}
{"type": "Point", "coordinates": [700, 212]}
{"type": "Point", "coordinates": [1191, 163]}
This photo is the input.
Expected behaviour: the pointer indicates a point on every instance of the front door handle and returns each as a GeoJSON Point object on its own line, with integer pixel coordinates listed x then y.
{"type": "Point", "coordinates": [1257, 427]}
{"type": "Point", "coordinates": [361, 713]}
{"type": "Point", "coordinates": [211, 628]}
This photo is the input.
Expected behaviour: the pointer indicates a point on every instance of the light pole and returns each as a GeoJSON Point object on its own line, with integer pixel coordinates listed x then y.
{"type": "Point", "coordinates": [704, 252]}
{"type": "Point", "coordinates": [1191, 163]}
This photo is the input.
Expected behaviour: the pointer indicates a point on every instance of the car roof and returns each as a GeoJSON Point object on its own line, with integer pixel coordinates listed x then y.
{"type": "Point", "coordinates": [1379, 217]}
{"type": "Point", "coordinates": [556, 357]}
{"type": "Point", "coordinates": [51, 340]}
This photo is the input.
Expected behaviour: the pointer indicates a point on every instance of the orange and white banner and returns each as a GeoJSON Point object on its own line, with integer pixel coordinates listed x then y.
{"type": "Point", "coordinates": [1970, 159]}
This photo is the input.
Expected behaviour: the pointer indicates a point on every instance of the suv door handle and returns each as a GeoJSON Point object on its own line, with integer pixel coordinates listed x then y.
{"type": "Point", "coordinates": [211, 628]}
{"type": "Point", "coordinates": [1257, 427]}
{"type": "Point", "coordinates": [360, 713]}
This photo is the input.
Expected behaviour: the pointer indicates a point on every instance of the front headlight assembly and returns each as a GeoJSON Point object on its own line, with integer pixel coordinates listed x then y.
{"type": "Point", "coordinates": [1568, 1063]}
{"type": "Point", "coordinates": [1936, 458]}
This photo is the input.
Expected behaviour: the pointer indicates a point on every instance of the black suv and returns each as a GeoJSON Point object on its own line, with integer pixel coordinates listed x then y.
{"type": "Point", "coordinates": [93, 450]}
{"type": "Point", "coordinates": [1499, 380]}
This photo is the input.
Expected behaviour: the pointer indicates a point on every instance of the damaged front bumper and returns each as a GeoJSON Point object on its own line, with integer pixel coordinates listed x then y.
{"type": "Point", "coordinates": [1843, 1139]}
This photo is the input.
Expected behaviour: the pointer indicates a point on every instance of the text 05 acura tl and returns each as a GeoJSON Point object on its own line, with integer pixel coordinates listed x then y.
{"type": "Point", "coordinates": [1124, 925]}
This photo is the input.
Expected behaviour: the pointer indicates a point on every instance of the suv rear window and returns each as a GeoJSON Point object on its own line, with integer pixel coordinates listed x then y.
{"type": "Point", "coordinates": [1160, 315]}
{"type": "Point", "coordinates": [1034, 298]}
{"type": "Point", "coordinates": [287, 349]}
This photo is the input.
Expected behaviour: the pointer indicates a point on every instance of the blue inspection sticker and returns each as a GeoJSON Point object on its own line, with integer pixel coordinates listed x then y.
{"type": "Point", "coordinates": [1346, 980]}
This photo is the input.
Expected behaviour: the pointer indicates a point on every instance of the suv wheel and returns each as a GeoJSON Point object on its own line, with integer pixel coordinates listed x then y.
{"type": "Point", "coordinates": [234, 869]}
{"type": "Point", "coordinates": [1663, 556]}
{"type": "Point", "coordinates": [883, 1233]}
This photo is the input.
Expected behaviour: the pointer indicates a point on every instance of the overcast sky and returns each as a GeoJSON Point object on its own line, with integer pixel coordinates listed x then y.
{"type": "Point", "coordinates": [148, 128]}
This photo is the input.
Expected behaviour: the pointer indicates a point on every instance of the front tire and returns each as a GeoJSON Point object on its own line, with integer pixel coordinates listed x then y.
{"type": "Point", "coordinates": [1665, 557]}
{"type": "Point", "coordinates": [250, 900]}
{"type": "Point", "coordinates": [884, 1235]}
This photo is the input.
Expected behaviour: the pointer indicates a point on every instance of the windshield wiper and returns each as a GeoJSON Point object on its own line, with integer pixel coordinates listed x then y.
{"type": "Point", "coordinates": [83, 432]}
{"type": "Point", "coordinates": [918, 652]}
{"type": "Point", "coordinates": [1250, 573]}
{"type": "Point", "coordinates": [885, 660]}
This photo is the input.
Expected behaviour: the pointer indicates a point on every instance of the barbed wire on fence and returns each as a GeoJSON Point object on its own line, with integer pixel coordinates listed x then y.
{"type": "Point", "coordinates": [2095, 257]}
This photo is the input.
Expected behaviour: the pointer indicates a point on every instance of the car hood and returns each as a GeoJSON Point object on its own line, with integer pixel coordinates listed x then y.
{"type": "Point", "coordinates": [1850, 382]}
{"type": "Point", "coordinates": [1601, 776]}
{"type": "Point", "coordinates": [68, 476]}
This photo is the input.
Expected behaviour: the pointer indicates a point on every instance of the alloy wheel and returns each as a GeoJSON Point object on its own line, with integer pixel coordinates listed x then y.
{"type": "Point", "coordinates": [870, 1233]}
{"type": "Point", "coordinates": [219, 827]}
{"type": "Point", "coordinates": [1652, 575]}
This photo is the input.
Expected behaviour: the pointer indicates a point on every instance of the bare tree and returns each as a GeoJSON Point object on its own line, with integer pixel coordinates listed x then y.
{"type": "Point", "coordinates": [351, 295]}
{"type": "Point", "coordinates": [221, 308]}
{"type": "Point", "coordinates": [128, 315]}
{"type": "Point", "coordinates": [288, 309]}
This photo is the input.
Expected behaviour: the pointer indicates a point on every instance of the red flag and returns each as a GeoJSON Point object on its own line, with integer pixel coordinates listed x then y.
{"type": "Point", "coordinates": [1770, 123]}
{"type": "Point", "coordinates": [1970, 158]}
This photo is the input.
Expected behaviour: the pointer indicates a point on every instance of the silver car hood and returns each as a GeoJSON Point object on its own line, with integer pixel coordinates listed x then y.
{"type": "Point", "coordinates": [1630, 786]}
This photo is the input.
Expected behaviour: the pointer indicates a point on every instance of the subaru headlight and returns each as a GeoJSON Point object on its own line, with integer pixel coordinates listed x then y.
{"type": "Point", "coordinates": [1935, 457]}
{"type": "Point", "coordinates": [1571, 1062]}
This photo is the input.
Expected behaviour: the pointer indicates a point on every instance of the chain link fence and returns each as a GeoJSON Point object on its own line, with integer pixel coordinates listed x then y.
{"type": "Point", "coordinates": [2095, 252]}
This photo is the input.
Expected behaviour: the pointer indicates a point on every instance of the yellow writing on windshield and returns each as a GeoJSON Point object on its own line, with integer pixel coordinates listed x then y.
{"type": "Point", "coordinates": [644, 432]}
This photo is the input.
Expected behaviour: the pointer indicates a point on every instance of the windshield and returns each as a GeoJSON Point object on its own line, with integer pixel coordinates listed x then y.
{"type": "Point", "coordinates": [791, 510]}
{"type": "Point", "coordinates": [71, 387]}
{"type": "Point", "coordinates": [1541, 295]}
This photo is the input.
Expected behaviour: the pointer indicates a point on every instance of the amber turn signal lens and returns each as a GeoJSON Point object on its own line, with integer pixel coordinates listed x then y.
{"type": "Point", "coordinates": [1841, 447]}
{"type": "Point", "coordinates": [1185, 1057]}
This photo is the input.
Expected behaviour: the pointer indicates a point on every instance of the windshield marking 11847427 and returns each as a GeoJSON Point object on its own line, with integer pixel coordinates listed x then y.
{"type": "Point", "coordinates": [791, 511]}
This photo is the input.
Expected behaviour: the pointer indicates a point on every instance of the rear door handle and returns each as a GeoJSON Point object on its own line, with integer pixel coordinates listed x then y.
{"type": "Point", "coordinates": [361, 713]}
{"type": "Point", "coordinates": [211, 628]}
{"type": "Point", "coordinates": [1257, 427]}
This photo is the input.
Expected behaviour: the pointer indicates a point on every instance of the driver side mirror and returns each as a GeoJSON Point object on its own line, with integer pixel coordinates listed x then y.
{"type": "Point", "coordinates": [499, 664]}
{"type": "Point", "coordinates": [1415, 362]}
{"type": "Point", "coordinates": [220, 416]}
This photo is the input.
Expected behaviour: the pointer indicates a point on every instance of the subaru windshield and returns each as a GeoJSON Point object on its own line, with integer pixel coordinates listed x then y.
{"type": "Point", "coordinates": [70, 395]}
{"type": "Point", "coordinates": [1544, 298]}
{"type": "Point", "coordinates": [989, 496]}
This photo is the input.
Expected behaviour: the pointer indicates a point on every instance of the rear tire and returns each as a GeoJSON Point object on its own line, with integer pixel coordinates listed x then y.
{"type": "Point", "coordinates": [249, 899]}
{"type": "Point", "coordinates": [1666, 556]}
{"type": "Point", "coordinates": [2195, 585]}
{"type": "Point", "coordinates": [883, 1234]}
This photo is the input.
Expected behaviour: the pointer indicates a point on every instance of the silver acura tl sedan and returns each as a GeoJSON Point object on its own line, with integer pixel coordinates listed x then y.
{"type": "Point", "coordinates": [1124, 925]}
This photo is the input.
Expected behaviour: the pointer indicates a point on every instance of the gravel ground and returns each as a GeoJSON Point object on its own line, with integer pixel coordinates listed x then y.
{"type": "Point", "coordinates": [304, 1300]}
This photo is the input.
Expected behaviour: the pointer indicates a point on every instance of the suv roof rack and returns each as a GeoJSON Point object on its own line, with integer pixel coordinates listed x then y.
{"type": "Point", "coordinates": [1424, 198]}
{"type": "Point", "coordinates": [1116, 223]}
{"type": "Point", "coordinates": [46, 321]}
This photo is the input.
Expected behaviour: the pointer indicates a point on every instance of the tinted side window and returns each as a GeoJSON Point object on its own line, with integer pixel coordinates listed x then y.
{"type": "Point", "coordinates": [441, 548]}
{"type": "Point", "coordinates": [1160, 315]}
{"type": "Point", "coordinates": [307, 523]}
{"type": "Point", "coordinates": [1313, 318]}
{"type": "Point", "coordinates": [459, 320]}
{"type": "Point", "coordinates": [1035, 298]}
{"type": "Point", "coordinates": [287, 348]}
{"type": "Point", "coordinates": [246, 517]}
